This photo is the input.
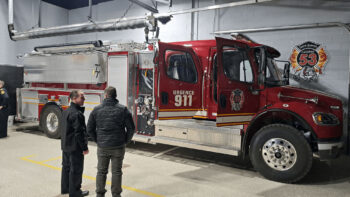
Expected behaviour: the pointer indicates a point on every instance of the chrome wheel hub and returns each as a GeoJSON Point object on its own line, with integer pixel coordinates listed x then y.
{"type": "Point", "coordinates": [52, 122]}
{"type": "Point", "coordinates": [279, 154]}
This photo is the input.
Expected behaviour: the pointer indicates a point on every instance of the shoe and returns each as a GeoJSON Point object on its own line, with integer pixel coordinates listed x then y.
{"type": "Point", "coordinates": [84, 193]}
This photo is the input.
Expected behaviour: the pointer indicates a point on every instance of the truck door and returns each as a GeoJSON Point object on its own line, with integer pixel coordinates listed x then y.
{"type": "Point", "coordinates": [179, 94]}
{"type": "Point", "coordinates": [236, 102]}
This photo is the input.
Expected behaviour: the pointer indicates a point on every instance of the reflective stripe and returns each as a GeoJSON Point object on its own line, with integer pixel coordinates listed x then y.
{"type": "Point", "coordinates": [201, 117]}
{"type": "Point", "coordinates": [183, 112]}
{"type": "Point", "coordinates": [231, 124]}
{"type": "Point", "coordinates": [30, 98]}
{"type": "Point", "coordinates": [231, 119]}
{"type": "Point", "coordinates": [174, 118]}
{"type": "Point", "coordinates": [201, 113]}
{"type": "Point", "coordinates": [30, 103]}
{"type": "Point", "coordinates": [239, 114]}
{"type": "Point", "coordinates": [92, 103]}
{"type": "Point", "coordinates": [190, 109]}
{"type": "Point", "coordinates": [176, 113]}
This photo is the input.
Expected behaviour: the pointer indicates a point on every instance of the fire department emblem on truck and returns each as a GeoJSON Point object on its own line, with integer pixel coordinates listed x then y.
{"type": "Point", "coordinates": [308, 61]}
{"type": "Point", "coordinates": [236, 99]}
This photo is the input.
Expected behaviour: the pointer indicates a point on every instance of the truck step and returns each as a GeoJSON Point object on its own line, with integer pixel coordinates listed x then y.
{"type": "Point", "coordinates": [200, 125]}
{"type": "Point", "coordinates": [186, 144]}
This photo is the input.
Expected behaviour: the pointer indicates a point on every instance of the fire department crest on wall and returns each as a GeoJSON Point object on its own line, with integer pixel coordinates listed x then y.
{"type": "Point", "coordinates": [236, 99]}
{"type": "Point", "coordinates": [308, 61]}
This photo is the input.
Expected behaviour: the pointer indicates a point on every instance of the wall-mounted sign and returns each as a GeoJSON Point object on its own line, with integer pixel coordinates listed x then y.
{"type": "Point", "coordinates": [308, 61]}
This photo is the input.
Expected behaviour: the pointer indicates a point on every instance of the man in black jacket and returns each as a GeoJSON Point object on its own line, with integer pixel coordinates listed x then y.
{"type": "Point", "coordinates": [111, 126]}
{"type": "Point", "coordinates": [3, 110]}
{"type": "Point", "coordinates": [74, 146]}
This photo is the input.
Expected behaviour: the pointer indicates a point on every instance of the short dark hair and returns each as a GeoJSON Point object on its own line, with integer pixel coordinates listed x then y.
{"type": "Point", "coordinates": [74, 94]}
{"type": "Point", "coordinates": [111, 92]}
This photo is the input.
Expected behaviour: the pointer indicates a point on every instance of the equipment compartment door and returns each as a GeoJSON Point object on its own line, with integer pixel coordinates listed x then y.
{"type": "Point", "coordinates": [29, 105]}
{"type": "Point", "coordinates": [236, 103]}
{"type": "Point", "coordinates": [118, 76]}
{"type": "Point", "coordinates": [179, 94]}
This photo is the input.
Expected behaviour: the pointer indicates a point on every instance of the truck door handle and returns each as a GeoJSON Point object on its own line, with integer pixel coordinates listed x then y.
{"type": "Point", "coordinates": [222, 101]}
{"type": "Point", "coordinates": [96, 71]}
{"type": "Point", "coordinates": [254, 91]}
{"type": "Point", "coordinates": [164, 98]}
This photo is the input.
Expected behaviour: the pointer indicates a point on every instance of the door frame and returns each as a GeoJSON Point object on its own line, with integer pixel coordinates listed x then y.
{"type": "Point", "coordinates": [243, 117]}
{"type": "Point", "coordinates": [167, 113]}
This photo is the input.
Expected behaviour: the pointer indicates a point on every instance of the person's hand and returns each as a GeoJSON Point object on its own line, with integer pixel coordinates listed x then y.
{"type": "Point", "coordinates": [86, 152]}
{"type": "Point", "coordinates": [1, 107]}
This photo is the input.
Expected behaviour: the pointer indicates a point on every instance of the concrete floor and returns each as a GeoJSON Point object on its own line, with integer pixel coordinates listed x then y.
{"type": "Point", "coordinates": [30, 167]}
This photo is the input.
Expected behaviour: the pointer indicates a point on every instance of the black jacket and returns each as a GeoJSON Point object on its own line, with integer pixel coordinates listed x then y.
{"type": "Point", "coordinates": [4, 98]}
{"type": "Point", "coordinates": [110, 124]}
{"type": "Point", "coordinates": [74, 136]}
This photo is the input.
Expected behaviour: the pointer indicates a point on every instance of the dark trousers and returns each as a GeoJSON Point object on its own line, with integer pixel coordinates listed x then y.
{"type": "Point", "coordinates": [3, 122]}
{"type": "Point", "coordinates": [72, 173]}
{"type": "Point", "coordinates": [104, 155]}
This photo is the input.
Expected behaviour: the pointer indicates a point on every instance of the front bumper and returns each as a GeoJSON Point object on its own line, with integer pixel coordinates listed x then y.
{"type": "Point", "coordinates": [329, 150]}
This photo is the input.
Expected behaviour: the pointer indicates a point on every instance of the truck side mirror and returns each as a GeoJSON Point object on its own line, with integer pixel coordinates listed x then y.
{"type": "Point", "coordinates": [261, 78]}
{"type": "Point", "coordinates": [286, 72]}
{"type": "Point", "coordinates": [262, 65]}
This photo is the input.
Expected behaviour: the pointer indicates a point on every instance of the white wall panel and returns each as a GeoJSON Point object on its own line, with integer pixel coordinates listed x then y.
{"type": "Point", "coordinates": [26, 17]}
{"type": "Point", "coordinates": [175, 30]}
{"type": "Point", "coordinates": [336, 41]}
{"type": "Point", "coordinates": [8, 47]}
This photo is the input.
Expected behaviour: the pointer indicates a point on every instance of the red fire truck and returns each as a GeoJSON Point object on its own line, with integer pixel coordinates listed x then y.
{"type": "Point", "coordinates": [224, 96]}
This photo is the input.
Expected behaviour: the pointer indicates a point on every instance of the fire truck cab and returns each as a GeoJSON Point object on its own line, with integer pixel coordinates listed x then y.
{"type": "Point", "coordinates": [225, 96]}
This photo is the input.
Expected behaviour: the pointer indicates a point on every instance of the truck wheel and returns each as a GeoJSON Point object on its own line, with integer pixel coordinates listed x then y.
{"type": "Point", "coordinates": [280, 153]}
{"type": "Point", "coordinates": [51, 121]}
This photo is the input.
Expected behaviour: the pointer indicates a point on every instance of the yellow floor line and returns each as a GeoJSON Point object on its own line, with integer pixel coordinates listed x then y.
{"type": "Point", "coordinates": [52, 159]}
{"type": "Point", "coordinates": [42, 163]}
{"type": "Point", "coordinates": [39, 163]}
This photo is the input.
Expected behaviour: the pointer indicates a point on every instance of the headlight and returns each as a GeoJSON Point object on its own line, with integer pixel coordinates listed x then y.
{"type": "Point", "coordinates": [325, 119]}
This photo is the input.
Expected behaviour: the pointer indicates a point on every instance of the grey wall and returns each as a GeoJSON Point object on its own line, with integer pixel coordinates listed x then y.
{"type": "Point", "coordinates": [268, 14]}
{"type": "Point", "coordinates": [178, 29]}
{"type": "Point", "coordinates": [26, 17]}
{"type": "Point", "coordinates": [284, 12]}
{"type": "Point", "coordinates": [279, 13]}
{"type": "Point", "coordinates": [336, 41]}
{"type": "Point", "coordinates": [7, 47]}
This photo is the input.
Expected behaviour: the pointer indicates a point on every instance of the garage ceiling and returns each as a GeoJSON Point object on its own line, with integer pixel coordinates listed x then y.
{"type": "Point", "coordinates": [73, 4]}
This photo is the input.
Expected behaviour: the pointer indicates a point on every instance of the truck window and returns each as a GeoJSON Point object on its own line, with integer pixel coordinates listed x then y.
{"type": "Point", "coordinates": [180, 66]}
{"type": "Point", "coordinates": [237, 66]}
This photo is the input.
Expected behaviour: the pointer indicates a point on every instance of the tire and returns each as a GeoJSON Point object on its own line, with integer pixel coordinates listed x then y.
{"type": "Point", "coordinates": [51, 120]}
{"type": "Point", "coordinates": [280, 153]}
